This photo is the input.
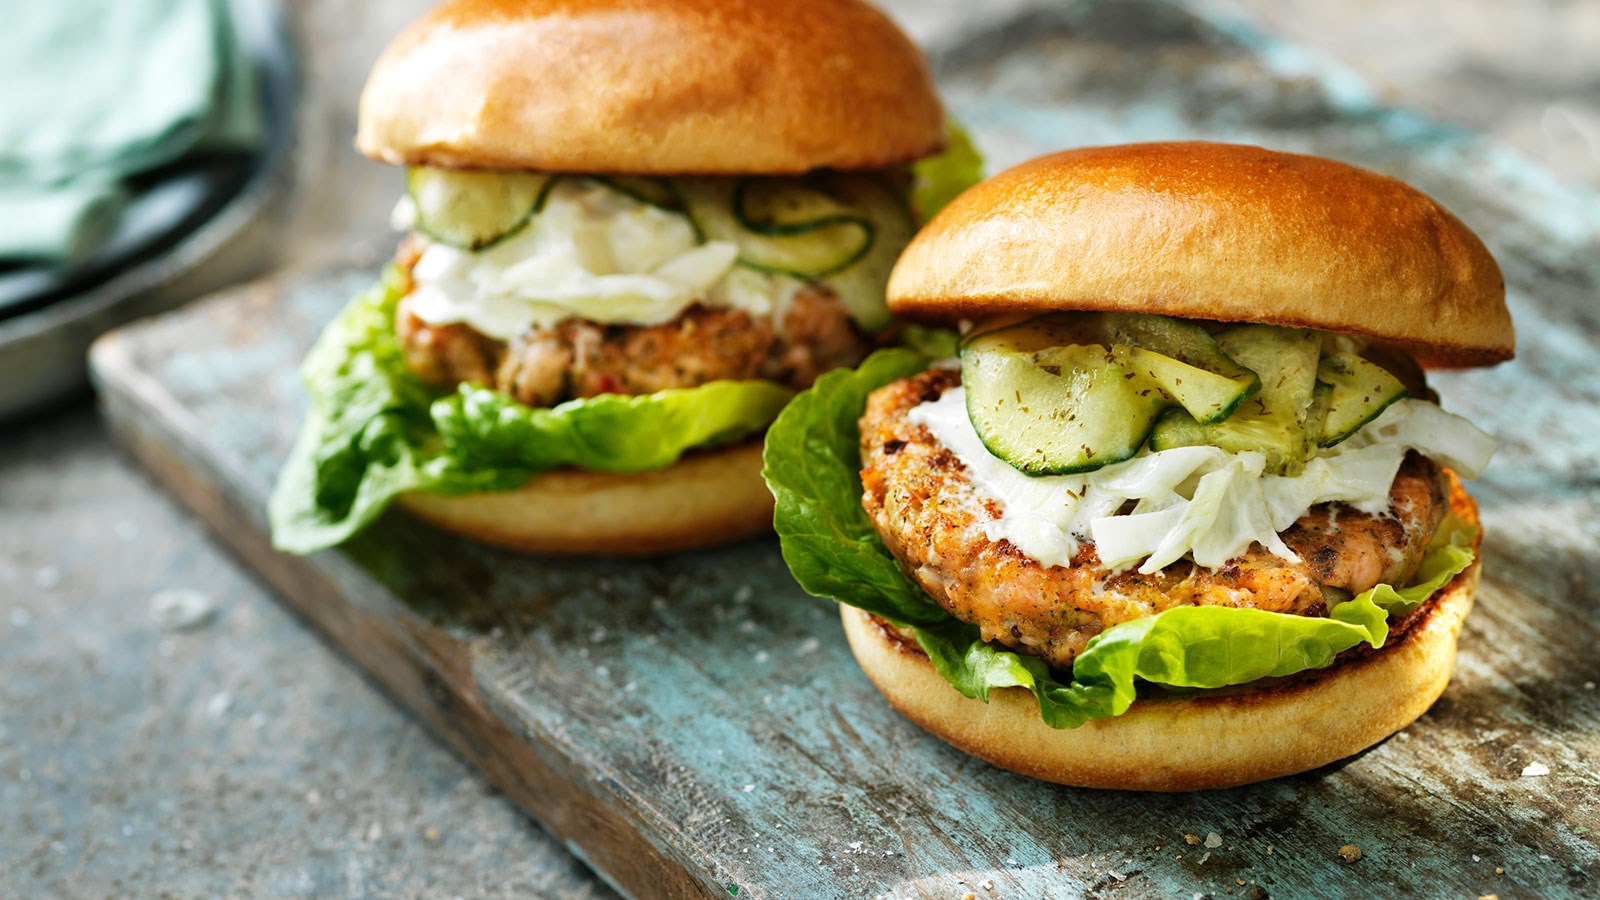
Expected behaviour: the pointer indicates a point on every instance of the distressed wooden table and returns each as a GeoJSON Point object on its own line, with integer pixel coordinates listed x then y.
{"type": "Point", "coordinates": [696, 726]}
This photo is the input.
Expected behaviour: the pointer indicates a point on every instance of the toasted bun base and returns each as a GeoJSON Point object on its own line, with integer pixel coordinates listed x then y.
{"type": "Point", "coordinates": [705, 499]}
{"type": "Point", "coordinates": [1210, 740]}
{"type": "Point", "coordinates": [1213, 231]}
{"type": "Point", "coordinates": [651, 87]}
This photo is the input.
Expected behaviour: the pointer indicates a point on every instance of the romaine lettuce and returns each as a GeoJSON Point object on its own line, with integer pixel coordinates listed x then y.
{"type": "Point", "coordinates": [813, 465]}
{"type": "Point", "coordinates": [939, 178]}
{"type": "Point", "coordinates": [375, 431]}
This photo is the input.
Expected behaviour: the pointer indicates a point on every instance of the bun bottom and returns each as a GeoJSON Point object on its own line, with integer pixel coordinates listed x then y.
{"type": "Point", "coordinates": [705, 499]}
{"type": "Point", "coordinates": [1215, 739]}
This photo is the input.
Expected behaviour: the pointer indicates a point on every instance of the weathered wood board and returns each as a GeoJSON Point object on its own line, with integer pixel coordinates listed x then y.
{"type": "Point", "coordinates": [695, 725]}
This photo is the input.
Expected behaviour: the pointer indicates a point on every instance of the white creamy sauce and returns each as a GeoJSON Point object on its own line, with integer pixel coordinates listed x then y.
{"type": "Point", "coordinates": [1198, 502]}
{"type": "Point", "coordinates": [591, 253]}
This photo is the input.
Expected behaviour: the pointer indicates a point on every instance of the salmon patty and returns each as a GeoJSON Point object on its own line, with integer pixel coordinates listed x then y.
{"type": "Point", "coordinates": [925, 508]}
{"type": "Point", "coordinates": [578, 358]}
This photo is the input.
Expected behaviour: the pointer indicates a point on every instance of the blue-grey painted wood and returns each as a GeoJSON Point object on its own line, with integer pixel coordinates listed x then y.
{"type": "Point", "coordinates": [708, 715]}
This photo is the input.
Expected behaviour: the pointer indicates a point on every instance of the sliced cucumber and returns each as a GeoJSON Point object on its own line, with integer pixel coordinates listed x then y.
{"type": "Point", "coordinates": [1274, 421]}
{"type": "Point", "coordinates": [1055, 410]}
{"type": "Point", "coordinates": [844, 230]}
{"type": "Point", "coordinates": [1317, 414]}
{"type": "Point", "coordinates": [1207, 396]}
{"type": "Point", "coordinates": [1178, 357]}
{"type": "Point", "coordinates": [1359, 391]}
{"type": "Point", "coordinates": [775, 206]}
{"type": "Point", "coordinates": [1072, 392]}
{"type": "Point", "coordinates": [861, 286]}
{"type": "Point", "coordinates": [805, 249]}
{"type": "Point", "coordinates": [657, 192]}
{"type": "Point", "coordinates": [474, 210]}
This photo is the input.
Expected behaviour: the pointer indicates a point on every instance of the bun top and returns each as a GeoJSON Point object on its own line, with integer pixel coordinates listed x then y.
{"type": "Point", "coordinates": [651, 87]}
{"type": "Point", "coordinates": [1213, 231]}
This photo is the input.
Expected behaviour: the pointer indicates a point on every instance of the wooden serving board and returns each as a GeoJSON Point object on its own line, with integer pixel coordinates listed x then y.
{"type": "Point", "coordinates": [695, 725]}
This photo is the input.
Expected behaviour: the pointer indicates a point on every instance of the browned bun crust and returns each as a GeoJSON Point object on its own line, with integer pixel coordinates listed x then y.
{"type": "Point", "coordinates": [1213, 231]}
{"type": "Point", "coordinates": [706, 499]}
{"type": "Point", "coordinates": [1211, 739]}
{"type": "Point", "coordinates": [651, 87]}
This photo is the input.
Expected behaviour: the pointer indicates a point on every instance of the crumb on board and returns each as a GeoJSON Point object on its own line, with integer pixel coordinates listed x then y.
{"type": "Point", "coordinates": [1350, 852]}
{"type": "Point", "coordinates": [1488, 897]}
{"type": "Point", "coordinates": [1269, 849]}
{"type": "Point", "coordinates": [1535, 770]}
{"type": "Point", "coordinates": [1191, 839]}
{"type": "Point", "coordinates": [969, 896]}
{"type": "Point", "coordinates": [1499, 870]}
{"type": "Point", "coordinates": [1213, 840]}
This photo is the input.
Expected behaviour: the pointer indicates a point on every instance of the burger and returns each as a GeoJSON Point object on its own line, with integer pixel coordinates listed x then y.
{"type": "Point", "coordinates": [634, 229]}
{"type": "Point", "coordinates": [1182, 511]}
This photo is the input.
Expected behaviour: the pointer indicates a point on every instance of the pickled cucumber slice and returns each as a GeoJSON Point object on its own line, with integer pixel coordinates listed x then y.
{"type": "Point", "coordinates": [1358, 392]}
{"type": "Point", "coordinates": [862, 284]}
{"type": "Point", "coordinates": [1067, 393]}
{"type": "Point", "coordinates": [844, 230]}
{"type": "Point", "coordinates": [474, 210]}
{"type": "Point", "coordinates": [657, 192]}
{"type": "Point", "coordinates": [781, 226]}
{"type": "Point", "coordinates": [1177, 356]}
{"type": "Point", "coordinates": [1273, 422]}
{"type": "Point", "coordinates": [1056, 410]}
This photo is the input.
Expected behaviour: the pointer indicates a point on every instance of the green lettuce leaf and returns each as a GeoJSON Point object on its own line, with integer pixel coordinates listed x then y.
{"type": "Point", "coordinates": [608, 433]}
{"type": "Point", "coordinates": [812, 464]}
{"type": "Point", "coordinates": [934, 343]}
{"type": "Point", "coordinates": [813, 468]}
{"type": "Point", "coordinates": [937, 179]}
{"type": "Point", "coordinates": [375, 431]}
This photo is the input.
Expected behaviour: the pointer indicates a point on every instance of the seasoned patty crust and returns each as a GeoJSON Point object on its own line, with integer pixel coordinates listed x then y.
{"type": "Point", "coordinates": [577, 358]}
{"type": "Point", "coordinates": [924, 507]}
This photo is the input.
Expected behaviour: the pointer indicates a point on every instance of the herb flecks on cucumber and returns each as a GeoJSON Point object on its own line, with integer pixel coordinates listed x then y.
{"type": "Point", "coordinates": [1073, 392]}
{"type": "Point", "coordinates": [1275, 421]}
{"type": "Point", "coordinates": [1359, 391]}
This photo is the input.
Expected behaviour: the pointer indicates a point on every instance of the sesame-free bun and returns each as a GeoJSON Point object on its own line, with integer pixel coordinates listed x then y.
{"type": "Point", "coordinates": [1224, 232]}
{"type": "Point", "coordinates": [1210, 739]}
{"type": "Point", "coordinates": [651, 87]}
{"type": "Point", "coordinates": [706, 498]}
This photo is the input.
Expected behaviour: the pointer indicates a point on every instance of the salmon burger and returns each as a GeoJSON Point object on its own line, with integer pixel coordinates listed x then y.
{"type": "Point", "coordinates": [633, 230]}
{"type": "Point", "coordinates": [1181, 510]}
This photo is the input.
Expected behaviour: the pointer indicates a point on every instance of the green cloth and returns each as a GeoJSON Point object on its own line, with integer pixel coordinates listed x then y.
{"type": "Point", "coordinates": [101, 90]}
{"type": "Point", "coordinates": [59, 221]}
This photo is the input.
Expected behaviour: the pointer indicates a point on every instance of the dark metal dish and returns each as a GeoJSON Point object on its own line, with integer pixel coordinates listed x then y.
{"type": "Point", "coordinates": [188, 230]}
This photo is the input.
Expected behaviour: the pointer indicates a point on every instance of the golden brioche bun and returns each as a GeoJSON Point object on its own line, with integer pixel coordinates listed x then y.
{"type": "Point", "coordinates": [651, 87]}
{"type": "Point", "coordinates": [707, 498]}
{"type": "Point", "coordinates": [1213, 231]}
{"type": "Point", "coordinates": [1210, 739]}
